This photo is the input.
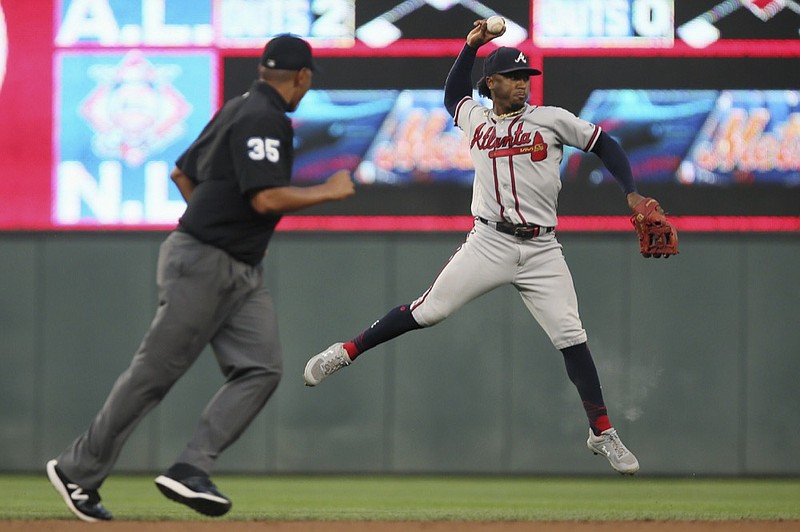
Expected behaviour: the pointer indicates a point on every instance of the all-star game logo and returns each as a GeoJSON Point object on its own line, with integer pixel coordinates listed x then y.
{"type": "Point", "coordinates": [3, 47]}
{"type": "Point", "coordinates": [134, 110]}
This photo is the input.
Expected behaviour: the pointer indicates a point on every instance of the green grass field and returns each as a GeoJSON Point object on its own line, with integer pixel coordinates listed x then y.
{"type": "Point", "coordinates": [433, 498]}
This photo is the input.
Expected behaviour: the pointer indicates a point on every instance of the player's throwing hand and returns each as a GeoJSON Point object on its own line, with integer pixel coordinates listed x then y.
{"type": "Point", "coordinates": [480, 35]}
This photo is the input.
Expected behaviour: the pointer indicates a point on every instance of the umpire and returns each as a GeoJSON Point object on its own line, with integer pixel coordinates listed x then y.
{"type": "Point", "coordinates": [235, 178]}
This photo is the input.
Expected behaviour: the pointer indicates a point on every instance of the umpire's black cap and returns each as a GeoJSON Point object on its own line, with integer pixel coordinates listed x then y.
{"type": "Point", "coordinates": [288, 52]}
{"type": "Point", "coordinates": [502, 61]}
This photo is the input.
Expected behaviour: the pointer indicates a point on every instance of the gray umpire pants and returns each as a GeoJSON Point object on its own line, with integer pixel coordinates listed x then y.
{"type": "Point", "coordinates": [205, 297]}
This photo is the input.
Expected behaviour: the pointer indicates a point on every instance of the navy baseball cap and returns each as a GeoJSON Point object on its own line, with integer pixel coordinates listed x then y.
{"type": "Point", "coordinates": [502, 61]}
{"type": "Point", "coordinates": [505, 60]}
{"type": "Point", "coordinates": [288, 52]}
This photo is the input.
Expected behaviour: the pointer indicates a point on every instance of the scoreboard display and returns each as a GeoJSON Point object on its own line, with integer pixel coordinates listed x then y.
{"type": "Point", "coordinates": [99, 97]}
{"type": "Point", "coordinates": [587, 23]}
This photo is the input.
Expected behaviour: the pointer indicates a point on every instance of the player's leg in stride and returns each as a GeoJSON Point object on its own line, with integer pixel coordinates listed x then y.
{"type": "Point", "coordinates": [603, 438]}
{"type": "Point", "coordinates": [397, 321]}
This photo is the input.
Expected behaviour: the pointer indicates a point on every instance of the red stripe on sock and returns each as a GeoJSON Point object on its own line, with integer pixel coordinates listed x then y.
{"type": "Point", "coordinates": [602, 423]}
{"type": "Point", "coordinates": [352, 350]}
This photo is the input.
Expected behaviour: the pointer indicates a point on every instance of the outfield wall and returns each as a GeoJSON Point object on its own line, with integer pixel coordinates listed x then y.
{"type": "Point", "coordinates": [698, 356]}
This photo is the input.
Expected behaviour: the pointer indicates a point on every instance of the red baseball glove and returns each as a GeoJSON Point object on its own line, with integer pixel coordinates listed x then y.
{"type": "Point", "coordinates": [657, 237]}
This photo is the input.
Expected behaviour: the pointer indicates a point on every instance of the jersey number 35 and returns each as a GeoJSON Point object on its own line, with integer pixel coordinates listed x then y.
{"type": "Point", "coordinates": [263, 148]}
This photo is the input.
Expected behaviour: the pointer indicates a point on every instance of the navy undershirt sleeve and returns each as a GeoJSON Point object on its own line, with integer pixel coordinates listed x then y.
{"type": "Point", "coordinates": [616, 160]}
{"type": "Point", "coordinates": [459, 79]}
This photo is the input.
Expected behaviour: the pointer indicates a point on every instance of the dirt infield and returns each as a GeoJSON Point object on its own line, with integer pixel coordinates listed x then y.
{"type": "Point", "coordinates": [406, 526]}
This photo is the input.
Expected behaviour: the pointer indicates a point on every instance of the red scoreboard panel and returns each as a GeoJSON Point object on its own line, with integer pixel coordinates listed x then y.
{"type": "Point", "coordinates": [98, 98]}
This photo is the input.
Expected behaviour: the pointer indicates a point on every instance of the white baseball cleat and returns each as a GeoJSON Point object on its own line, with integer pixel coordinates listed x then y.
{"type": "Point", "coordinates": [609, 445]}
{"type": "Point", "coordinates": [325, 364]}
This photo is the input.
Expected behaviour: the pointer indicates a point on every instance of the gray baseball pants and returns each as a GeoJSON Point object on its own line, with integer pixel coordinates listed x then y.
{"type": "Point", "coordinates": [205, 297]}
{"type": "Point", "coordinates": [489, 259]}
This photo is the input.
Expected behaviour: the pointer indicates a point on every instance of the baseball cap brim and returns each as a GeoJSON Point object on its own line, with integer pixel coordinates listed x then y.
{"type": "Point", "coordinates": [530, 71]}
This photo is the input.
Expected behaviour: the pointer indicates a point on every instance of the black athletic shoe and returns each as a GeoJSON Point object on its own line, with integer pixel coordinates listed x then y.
{"type": "Point", "coordinates": [188, 485]}
{"type": "Point", "coordinates": [82, 502]}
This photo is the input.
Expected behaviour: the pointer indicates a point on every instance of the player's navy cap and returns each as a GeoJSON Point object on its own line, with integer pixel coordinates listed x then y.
{"type": "Point", "coordinates": [502, 61]}
{"type": "Point", "coordinates": [288, 52]}
{"type": "Point", "coordinates": [505, 59]}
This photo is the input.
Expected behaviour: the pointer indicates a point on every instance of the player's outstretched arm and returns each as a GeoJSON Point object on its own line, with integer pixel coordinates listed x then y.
{"type": "Point", "coordinates": [616, 161]}
{"type": "Point", "coordinates": [657, 236]}
{"type": "Point", "coordinates": [280, 200]}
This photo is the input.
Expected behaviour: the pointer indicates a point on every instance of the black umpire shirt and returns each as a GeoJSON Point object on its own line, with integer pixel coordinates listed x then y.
{"type": "Point", "coordinates": [245, 148]}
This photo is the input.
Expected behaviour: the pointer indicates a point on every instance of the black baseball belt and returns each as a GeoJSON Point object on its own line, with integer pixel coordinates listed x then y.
{"type": "Point", "coordinates": [523, 231]}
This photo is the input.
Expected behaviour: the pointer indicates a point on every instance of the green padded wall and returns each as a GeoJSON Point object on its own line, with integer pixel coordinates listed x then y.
{"type": "Point", "coordinates": [698, 357]}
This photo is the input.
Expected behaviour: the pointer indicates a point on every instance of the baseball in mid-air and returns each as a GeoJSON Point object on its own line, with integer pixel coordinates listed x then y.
{"type": "Point", "coordinates": [495, 24]}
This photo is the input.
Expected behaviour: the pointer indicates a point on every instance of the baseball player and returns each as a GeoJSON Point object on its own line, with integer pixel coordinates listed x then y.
{"type": "Point", "coordinates": [516, 149]}
{"type": "Point", "coordinates": [235, 178]}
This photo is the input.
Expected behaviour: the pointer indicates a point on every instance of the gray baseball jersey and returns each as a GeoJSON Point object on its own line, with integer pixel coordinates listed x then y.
{"type": "Point", "coordinates": [517, 159]}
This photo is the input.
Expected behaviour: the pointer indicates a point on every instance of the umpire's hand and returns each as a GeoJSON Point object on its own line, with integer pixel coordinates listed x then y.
{"type": "Point", "coordinates": [340, 185]}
